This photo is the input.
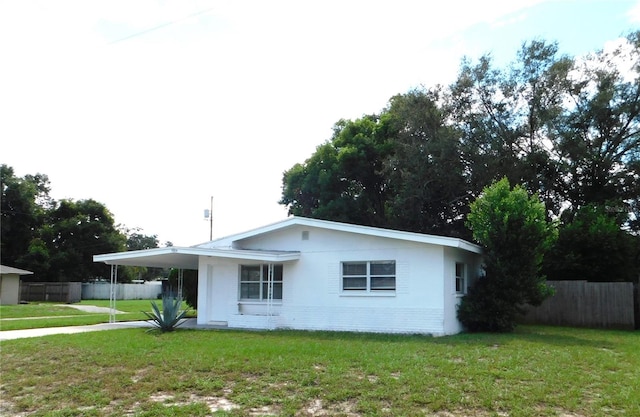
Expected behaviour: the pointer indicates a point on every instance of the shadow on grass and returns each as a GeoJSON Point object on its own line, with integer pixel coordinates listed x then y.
{"type": "Point", "coordinates": [544, 335]}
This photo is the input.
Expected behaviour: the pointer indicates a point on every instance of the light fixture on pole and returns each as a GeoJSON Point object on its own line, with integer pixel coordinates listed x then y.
{"type": "Point", "coordinates": [208, 215]}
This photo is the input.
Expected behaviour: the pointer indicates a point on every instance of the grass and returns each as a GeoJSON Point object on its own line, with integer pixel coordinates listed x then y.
{"type": "Point", "coordinates": [51, 314]}
{"type": "Point", "coordinates": [537, 371]}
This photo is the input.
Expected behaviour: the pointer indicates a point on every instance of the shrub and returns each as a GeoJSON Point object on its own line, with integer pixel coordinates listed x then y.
{"type": "Point", "coordinates": [512, 228]}
{"type": "Point", "coordinates": [171, 315]}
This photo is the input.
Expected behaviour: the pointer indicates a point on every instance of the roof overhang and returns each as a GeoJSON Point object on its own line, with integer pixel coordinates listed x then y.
{"type": "Point", "coordinates": [350, 228]}
{"type": "Point", "coordinates": [4, 269]}
{"type": "Point", "coordinates": [188, 258]}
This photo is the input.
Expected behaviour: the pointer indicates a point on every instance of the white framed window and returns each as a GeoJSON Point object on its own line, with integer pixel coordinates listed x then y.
{"type": "Point", "coordinates": [369, 276]}
{"type": "Point", "coordinates": [254, 282]}
{"type": "Point", "coordinates": [461, 278]}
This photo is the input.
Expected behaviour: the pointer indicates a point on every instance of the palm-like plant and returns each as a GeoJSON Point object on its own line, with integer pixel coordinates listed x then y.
{"type": "Point", "coordinates": [169, 318]}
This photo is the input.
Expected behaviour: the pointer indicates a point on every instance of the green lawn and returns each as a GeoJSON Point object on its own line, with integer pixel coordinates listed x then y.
{"type": "Point", "coordinates": [50, 314]}
{"type": "Point", "coordinates": [537, 371]}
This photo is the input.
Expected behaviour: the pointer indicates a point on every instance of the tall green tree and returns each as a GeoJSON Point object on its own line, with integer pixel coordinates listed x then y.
{"type": "Point", "coordinates": [425, 173]}
{"type": "Point", "coordinates": [506, 115]}
{"type": "Point", "coordinates": [75, 231]}
{"type": "Point", "coordinates": [512, 228]}
{"type": "Point", "coordinates": [23, 203]}
{"type": "Point", "coordinates": [343, 179]}
{"type": "Point", "coordinates": [401, 169]}
{"type": "Point", "coordinates": [597, 141]}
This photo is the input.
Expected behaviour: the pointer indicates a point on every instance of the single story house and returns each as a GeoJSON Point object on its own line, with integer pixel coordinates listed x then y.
{"type": "Point", "coordinates": [10, 284]}
{"type": "Point", "coordinates": [311, 274]}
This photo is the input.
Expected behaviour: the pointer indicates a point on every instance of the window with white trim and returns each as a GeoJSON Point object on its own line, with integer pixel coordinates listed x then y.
{"type": "Point", "coordinates": [369, 276]}
{"type": "Point", "coordinates": [461, 281]}
{"type": "Point", "coordinates": [254, 282]}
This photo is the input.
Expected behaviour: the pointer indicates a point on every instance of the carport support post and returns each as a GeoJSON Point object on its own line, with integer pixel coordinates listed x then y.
{"type": "Point", "coordinates": [270, 290]}
{"type": "Point", "coordinates": [112, 293]}
{"type": "Point", "coordinates": [180, 281]}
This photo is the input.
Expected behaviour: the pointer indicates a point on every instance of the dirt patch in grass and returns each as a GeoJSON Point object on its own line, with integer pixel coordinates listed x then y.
{"type": "Point", "coordinates": [214, 403]}
{"type": "Point", "coordinates": [317, 408]}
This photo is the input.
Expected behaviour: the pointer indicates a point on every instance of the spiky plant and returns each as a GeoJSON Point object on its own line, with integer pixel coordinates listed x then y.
{"type": "Point", "coordinates": [169, 318]}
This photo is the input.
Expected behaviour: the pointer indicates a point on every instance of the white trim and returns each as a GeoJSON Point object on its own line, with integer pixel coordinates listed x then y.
{"type": "Point", "coordinates": [187, 258]}
{"type": "Point", "coordinates": [351, 228]}
{"type": "Point", "coordinates": [368, 276]}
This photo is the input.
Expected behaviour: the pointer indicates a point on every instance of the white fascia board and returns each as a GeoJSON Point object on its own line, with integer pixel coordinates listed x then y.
{"type": "Point", "coordinates": [107, 257]}
{"type": "Point", "coordinates": [353, 228]}
{"type": "Point", "coordinates": [254, 255]}
{"type": "Point", "coordinates": [128, 258]}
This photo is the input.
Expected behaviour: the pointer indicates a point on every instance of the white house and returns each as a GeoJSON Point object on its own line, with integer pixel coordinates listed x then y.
{"type": "Point", "coordinates": [311, 274]}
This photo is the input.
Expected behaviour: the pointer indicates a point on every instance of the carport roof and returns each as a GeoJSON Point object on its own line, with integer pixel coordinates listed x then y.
{"type": "Point", "coordinates": [187, 258]}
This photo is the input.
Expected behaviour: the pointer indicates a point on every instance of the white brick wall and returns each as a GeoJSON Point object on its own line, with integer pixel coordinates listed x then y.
{"type": "Point", "coordinates": [313, 298]}
{"type": "Point", "coordinates": [363, 319]}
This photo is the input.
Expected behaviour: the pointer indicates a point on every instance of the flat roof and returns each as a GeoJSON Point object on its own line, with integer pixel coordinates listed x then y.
{"type": "Point", "coordinates": [187, 258]}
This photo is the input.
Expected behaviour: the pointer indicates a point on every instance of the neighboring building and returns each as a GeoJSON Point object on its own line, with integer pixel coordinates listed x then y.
{"type": "Point", "coordinates": [10, 284]}
{"type": "Point", "coordinates": [312, 274]}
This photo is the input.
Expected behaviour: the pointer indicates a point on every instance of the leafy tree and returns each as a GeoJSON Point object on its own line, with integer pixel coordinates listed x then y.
{"type": "Point", "coordinates": [139, 241]}
{"type": "Point", "coordinates": [75, 231]}
{"type": "Point", "coordinates": [342, 180]}
{"type": "Point", "coordinates": [506, 116]}
{"type": "Point", "coordinates": [24, 202]}
{"type": "Point", "coordinates": [425, 173]}
{"type": "Point", "coordinates": [512, 228]}
{"type": "Point", "coordinates": [401, 169]}
{"type": "Point", "coordinates": [593, 247]}
{"type": "Point", "coordinates": [598, 139]}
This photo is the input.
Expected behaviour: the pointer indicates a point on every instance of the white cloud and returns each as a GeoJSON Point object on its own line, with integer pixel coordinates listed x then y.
{"type": "Point", "coordinates": [152, 109]}
{"type": "Point", "coordinates": [634, 13]}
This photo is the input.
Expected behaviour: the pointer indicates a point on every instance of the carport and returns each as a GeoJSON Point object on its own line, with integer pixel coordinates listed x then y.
{"type": "Point", "coordinates": [183, 258]}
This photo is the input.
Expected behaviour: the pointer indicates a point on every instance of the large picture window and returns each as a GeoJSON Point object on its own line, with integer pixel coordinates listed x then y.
{"type": "Point", "coordinates": [369, 276]}
{"type": "Point", "coordinates": [254, 282]}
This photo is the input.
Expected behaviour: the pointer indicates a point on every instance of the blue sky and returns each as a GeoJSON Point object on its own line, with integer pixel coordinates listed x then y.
{"type": "Point", "coordinates": [152, 107]}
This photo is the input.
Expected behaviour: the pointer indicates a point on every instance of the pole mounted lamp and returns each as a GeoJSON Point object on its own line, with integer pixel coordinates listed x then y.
{"type": "Point", "coordinates": [208, 215]}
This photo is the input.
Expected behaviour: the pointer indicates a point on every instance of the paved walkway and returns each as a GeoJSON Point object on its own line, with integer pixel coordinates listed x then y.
{"type": "Point", "coordinates": [45, 331]}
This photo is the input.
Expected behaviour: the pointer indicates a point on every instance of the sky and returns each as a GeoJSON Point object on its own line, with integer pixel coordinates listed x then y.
{"type": "Point", "coordinates": [154, 107]}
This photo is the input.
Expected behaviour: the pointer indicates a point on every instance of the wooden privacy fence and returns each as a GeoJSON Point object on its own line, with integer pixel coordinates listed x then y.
{"type": "Point", "coordinates": [610, 305]}
{"type": "Point", "coordinates": [64, 292]}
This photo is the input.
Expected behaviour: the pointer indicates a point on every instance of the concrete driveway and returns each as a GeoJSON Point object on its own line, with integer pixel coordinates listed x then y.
{"type": "Point", "coordinates": [45, 331]}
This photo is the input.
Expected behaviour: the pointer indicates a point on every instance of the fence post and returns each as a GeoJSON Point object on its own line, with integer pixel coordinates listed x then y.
{"type": "Point", "coordinates": [636, 305]}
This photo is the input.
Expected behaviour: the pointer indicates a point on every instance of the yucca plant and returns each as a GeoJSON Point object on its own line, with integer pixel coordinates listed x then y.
{"type": "Point", "coordinates": [169, 318]}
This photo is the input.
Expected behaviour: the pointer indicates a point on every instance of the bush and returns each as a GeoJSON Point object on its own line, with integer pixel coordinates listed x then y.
{"type": "Point", "coordinates": [169, 318]}
{"type": "Point", "coordinates": [512, 228]}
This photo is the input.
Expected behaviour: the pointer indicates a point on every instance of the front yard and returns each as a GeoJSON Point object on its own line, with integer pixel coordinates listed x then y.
{"type": "Point", "coordinates": [537, 371]}
{"type": "Point", "coordinates": [49, 314]}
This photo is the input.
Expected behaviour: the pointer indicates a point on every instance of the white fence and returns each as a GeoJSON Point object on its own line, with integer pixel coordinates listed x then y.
{"type": "Point", "coordinates": [100, 291]}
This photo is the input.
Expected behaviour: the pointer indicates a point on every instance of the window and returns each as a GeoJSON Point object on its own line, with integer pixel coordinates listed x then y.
{"type": "Point", "coordinates": [461, 285]}
{"type": "Point", "coordinates": [369, 276]}
{"type": "Point", "coordinates": [254, 282]}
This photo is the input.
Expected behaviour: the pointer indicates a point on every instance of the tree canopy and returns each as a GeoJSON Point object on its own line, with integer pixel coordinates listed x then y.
{"type": "Point", "coordinates": [57, 239]}
{"type": "Point", "coordinates": [565, 128]}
